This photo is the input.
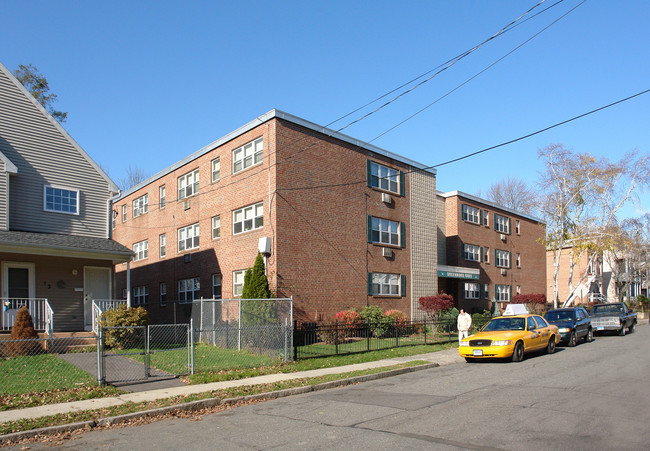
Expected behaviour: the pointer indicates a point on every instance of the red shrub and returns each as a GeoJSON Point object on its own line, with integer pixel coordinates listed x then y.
{"type": "Point", "coordinates": [349, 318]}
{"type": "Point", "coordinates": [398, 318]}
{"type": "Point", "coordinates": [435, 305]}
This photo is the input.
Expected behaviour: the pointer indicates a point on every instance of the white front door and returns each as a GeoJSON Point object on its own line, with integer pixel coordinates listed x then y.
{"type": "Point", "coordinates": [97, 285]}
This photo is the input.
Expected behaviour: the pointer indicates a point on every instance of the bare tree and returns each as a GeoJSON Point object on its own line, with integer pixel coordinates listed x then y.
{"type": "Point", "coordinates": [37, 85]}
{"type": "Point", "coordinates": [134, 175]}
{"type": "Point", "coordinates": [514, 193]}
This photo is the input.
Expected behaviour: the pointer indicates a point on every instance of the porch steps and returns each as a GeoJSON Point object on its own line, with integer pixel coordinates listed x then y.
{"type": "Point", "coordinates": [63, 341]}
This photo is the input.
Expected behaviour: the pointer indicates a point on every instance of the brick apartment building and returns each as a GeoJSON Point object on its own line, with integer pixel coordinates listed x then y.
{"type": "Point", "coordinates": [348, 224]}
{"type": "Point", "coordinates": [490, 253]}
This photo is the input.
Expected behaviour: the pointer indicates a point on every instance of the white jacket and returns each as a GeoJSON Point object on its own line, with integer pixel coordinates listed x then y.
{"type": "Point", "coordinates": [464, 321]}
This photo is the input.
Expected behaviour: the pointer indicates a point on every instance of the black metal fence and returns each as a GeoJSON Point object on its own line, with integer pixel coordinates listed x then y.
{"type": "Point", "coordinates": [338, 338]}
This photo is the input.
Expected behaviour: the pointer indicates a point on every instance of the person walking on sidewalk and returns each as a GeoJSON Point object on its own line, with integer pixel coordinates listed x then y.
{"type": "Point", "coordinates": [463, 324]}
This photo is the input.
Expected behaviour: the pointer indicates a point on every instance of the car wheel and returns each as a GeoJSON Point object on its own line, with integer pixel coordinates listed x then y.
{"type": "Point", "coordinates": [518, 353]}
{"type": "Point", "coordinates": [632, 327]}
{"type": "Point", "coordinates": [550, 347]}
{"type": "Point", "coordinates": [590, 336]}
{"type": "Point", "coordinates": [572, 339]}
{"type": "Point", "coordinates": [622, 331]}
{"type": "Point", "coordinates": [470, 359]}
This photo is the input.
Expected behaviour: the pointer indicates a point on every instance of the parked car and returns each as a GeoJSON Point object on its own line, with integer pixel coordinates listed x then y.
{"type": "Point", "coordinates": [510, 337]}
{"type": "Point", "coordinates": [612, 317]}
{"type": "Point", "coordinates": [573, 323]}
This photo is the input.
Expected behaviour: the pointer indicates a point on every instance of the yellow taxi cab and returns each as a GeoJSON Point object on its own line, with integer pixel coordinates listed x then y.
{"type": "Point", "coordinates": [510, 336]}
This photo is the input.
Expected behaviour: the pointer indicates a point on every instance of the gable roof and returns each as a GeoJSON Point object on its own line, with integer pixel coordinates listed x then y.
{"type": "Point", "coordinates": [112, 186]}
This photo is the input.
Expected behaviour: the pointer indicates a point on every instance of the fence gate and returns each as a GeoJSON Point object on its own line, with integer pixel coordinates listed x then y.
{"type": "Point", "coordinates": [136, 353]}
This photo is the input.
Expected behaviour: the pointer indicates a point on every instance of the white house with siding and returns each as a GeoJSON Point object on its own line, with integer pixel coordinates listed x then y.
{"type": "Point", "coordinates": [56, 253]}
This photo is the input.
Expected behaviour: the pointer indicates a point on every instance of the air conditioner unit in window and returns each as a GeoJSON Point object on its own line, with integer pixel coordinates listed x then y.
{"type": "Point", "coordinates": [504, 272]}
{"type": "Point", "coordinates": [186, 204]}
{"type": "Point", "coordinates": [386, 198]}
{"type": "Point", "coordinates": [187, 258]}
{"type": "Point", "coordinates": [503, 237]}
{"type": "Point", "coordinates": [387, 252]}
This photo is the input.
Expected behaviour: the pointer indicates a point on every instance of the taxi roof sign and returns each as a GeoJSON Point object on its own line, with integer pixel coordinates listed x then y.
{"type": "Point", "coordinates": [515, 309]}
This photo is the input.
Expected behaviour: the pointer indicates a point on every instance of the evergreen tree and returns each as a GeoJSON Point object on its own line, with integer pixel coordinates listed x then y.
{"type": "Point", "coordinates": [256, 286]}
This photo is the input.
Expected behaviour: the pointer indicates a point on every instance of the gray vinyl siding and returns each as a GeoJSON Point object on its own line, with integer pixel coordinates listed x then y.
{"type": "Point", "coordinates": [4, 184]}
{"type": "Point", "coordinates": [44, 156]}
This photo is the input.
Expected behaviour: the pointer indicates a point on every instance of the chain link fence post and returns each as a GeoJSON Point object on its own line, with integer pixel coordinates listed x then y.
{"type": "Point", "coordinates": [147, 354]}
{"type": "Point", "coordinates": [100, 357]}
{"type": "Point", "coordinates": [191, 341]}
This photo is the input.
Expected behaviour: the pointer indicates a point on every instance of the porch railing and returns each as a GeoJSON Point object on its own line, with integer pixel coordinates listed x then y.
{"type": "Point", "coordinates": [100, 306]}
{"type": "Point", "coordinates": [42, 314]}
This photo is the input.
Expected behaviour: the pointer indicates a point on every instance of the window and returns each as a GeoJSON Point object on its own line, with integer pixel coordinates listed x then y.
{"type": "Point", "coordinates": [486, 291]}
{"type": "Point", "coordinates": [189, 290]}
{"type": "Point", "coordinates": [472, 290]}
{"type": "Point", "coordinates": [124, 293]}
{"type": "Point", "coordinates": [61, 200]}
{"type": "Point", "coordinates": [163, 245]}
{"type": "Point", "coordinates": [216, 286]}
{"type": "Point", "coordinates": [188, 184]}
{"type": "Point", "coordinates": [123, 213]}
{"type": "Point", "coordinates": [238, 282]}
{"type": "Point", "coordinates": [188, 237]}
{"type": "Point", "coordinates": [472, 253]}
{"type": "Point", "coordinates": [501, 224]}
{"type": "Point", "coordinates": [502, 293]}
{"type": "Point", "coordinates": [471, 214]}
{"type": "Point", "coordinates": [141, 250]}
{"type": "Point", "coordinates": [518, 290]}
{"type": "Point", "coordinates": [247, 155]}
{"type": "Point", "coordinates": [385, 284]}
{"type": "Point", "coordinates": [517, 227]}
{"type": "Point", "coordinates": [248, 218]}
{"type": "Point", "coordinates": [502, 258]}
{"type": "Point", "coordinates": [216, 227]}
{"type": "Point", "coordinates": [113, 216]}
{"type": "Point", "coordinates": [384, 231]}
{"type": "Point", "coordinates": [140, 205]}
{"type": "Point", "coordinates": [162, 194]}
{"type": "Point", "coordinates": [216, 169]}
{"type": "Point", "coordinates": [383, 177]}
{"type": "Point", "coordinates": [486, 254]}
{"type": "Point", "coordinates": [518, 260]}
{"type": "Point", "coordinates": [163, 293]}
{"type": "Point", "coordinates": [486, 218]}
{"type": "Point", "coordinates": [140, 295]}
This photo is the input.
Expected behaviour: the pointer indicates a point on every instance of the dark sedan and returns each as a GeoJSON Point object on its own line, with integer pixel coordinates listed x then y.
{"type": "Point", "coordinates": [573, 323]}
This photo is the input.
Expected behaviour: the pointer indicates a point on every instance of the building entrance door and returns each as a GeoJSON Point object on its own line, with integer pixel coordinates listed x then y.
{"type": "Point", "coordinates": [97, 285]}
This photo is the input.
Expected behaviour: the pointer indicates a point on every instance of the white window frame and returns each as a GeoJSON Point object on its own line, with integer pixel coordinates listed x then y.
{"type": "Point", "coordinates": [124, 293]}
{"type": "Point", "coordinates": [384, 178]}
{"type": "Point", "coordinates": [238, 282]}
{"type": "Point", "coordinates": [216, 227]}
{"type": "Point", "coordinates": [188, 184]}
{"type": "Point", "coordinates": [140, 205]}
{"type": "Point", "coordinates": [517, 224]}
{"type": "Point", "coordinates": [140, 295]}
{"type": "Point", "coordinates": [472, 252]}
{"type": "Point", "coordinates": [486, 218]}
{"type": "Point", "coordinates": [216, 282]}
{"type": "Point", "coordinates": [54, 189]}
{"type": "Point", "coordinates": [124, 213]}
{"type": "Point", "coordinates": [162, 196]}
{"type": "Point", "coordinates": [384, 284]}
{"type": "Point", "coordinates": [188, 237]}
{"type": "Point", "coordinates": [141, 250]}
{"type": "Point", "coordinates": [163, 293]}
{"type": "Point", "coordinates": [518, 289]}
{"type": "Point", "coordinates": [518, 260]}
{"type": "Point", "coordinates": [472, 290]}
{"type": "Point", "coordinates": [189, 290]}
{"type": "Point", "coordinates": [248, 218]}
{"type": "Point", "coordinates": [385, 231]}
{"type": "Point", "coordinates": [501, 224]}
{"type": "Point", "coordinates": [471, 214]}
{"type": "Point", "coordinates": [486, 255]}
{"type": "Point", "coordinates": [162, 248]}
{"type": "Point", "coordinates": [216, 169]}
{"type": "Point", "coordinates": [248, 155]}
{"type": "Point", "coordinates": [486, 290]}
{"type": "Point", "coordinates": [502, 258]}
{"type": "Point", "coordinates": [502, 293]}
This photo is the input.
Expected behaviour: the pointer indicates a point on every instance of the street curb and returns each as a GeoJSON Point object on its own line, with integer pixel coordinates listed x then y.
{"type": "Point", "coordinates": [205, 403]}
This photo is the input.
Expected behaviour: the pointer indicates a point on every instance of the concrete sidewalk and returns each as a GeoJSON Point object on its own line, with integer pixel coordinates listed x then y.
{"type": "Point", "coordinates": [445, 357]}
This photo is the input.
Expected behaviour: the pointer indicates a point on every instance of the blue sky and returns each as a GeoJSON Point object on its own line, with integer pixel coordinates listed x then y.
{"type": "Point", "coordinates": [146, 83]}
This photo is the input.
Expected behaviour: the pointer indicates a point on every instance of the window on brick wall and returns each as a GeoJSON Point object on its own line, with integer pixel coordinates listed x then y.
{"type": "Point", "coordinates": [216, 227]}
{"type": "Point", "coordinates": [486, 255]}
{"type": "Point", "coordinates": [385, 178]}
{"type": "Point", "coordinates": [189, 289]}
{"type": "Point", "coordinates": [486, 291]}
{"type": "Point", "coordinates": [248, 218]}
{"type": "Point", "coordinates": [502, 293]}
{"type": "Point", "coordinates": [472, 252]}
{"type": "Point", "coordinates": [383, 284]}
{"type": "Point", "coordinates": [163, 245]}
{"type": "Point", "coordinates": [517, 227]}
{"type": "Point", "coordinates": [188, 237]}
{"type": "Point", "coordinates": [140, 205]}
{"type": "Point", "coordinates": [501, 224]}
{"type": "Point", "coordinates": [123, 213]}
{"type": "Point", "coordinates": [140, 295]}
{"type": "Point", "coordinates": [188, 184]}
{"type": "Point", "coordinates": [502, 258]}
{"type": "Point", "coordinates": [518, 260]}
{"type": "Point", "coordinates": [385, 231]}
{"type": "Point", "coordinates": [486, 218]}
{"type": "Point", "coordinates": [163, 293]}
{"type": "Point", "coordinates": [472, 290]}
{"type": "Point", "coordinates": [162, 194]}
{"type": "Point", "coordinates": [471, 214]}
{"type": "Point", "coordinates": [216, 169]}
{"type": "Point", "coordinates": [141, 250]}
{"type": "Point", "coordinates": [238, 282]}
{"type": "Point", "coordinates": [216, 286]}
{"type": "Point", "coordinates": [247, 155]}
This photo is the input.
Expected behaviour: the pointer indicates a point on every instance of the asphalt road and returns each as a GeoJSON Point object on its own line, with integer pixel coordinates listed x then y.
{"type": "Point", "coordinates": [592, 397]}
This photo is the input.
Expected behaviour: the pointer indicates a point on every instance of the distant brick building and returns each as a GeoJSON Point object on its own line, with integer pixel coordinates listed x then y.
{"type": "Point", "coordinates": [349, 224]}
{"type": "Point", "coordinates": [491, 253]}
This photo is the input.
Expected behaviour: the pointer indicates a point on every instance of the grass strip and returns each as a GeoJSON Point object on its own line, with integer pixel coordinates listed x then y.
{"type": "Point", "coordinates": [90, 415]}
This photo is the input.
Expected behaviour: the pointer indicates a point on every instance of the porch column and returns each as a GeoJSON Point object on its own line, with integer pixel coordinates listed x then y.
{"type": "Point", "coordinates": [128, 284]}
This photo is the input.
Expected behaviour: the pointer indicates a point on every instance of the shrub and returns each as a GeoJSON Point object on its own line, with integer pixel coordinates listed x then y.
{"type": "Point", "coordinates": [256, 286]}
{"type": "Point", "coordinates": [480, 319]}
{"type": "Point", "coordinates": [435, 305]}
{"type": "Point", "coordinates": [349, 318]}
{"type": "Point", "coordinates": [397, 318]}
{"type": "Point", "coordinates": [120, 322]}
{"type": "Point", "coordinates": [379, 324]}
{"type": "Point", "coordinates": [23, 329]}
{"type": "Point", "coordinates": [644, 301]}
{"type": "Point", "coordinates": [534, 302]}
{"type": "Point", "coordinates": [447, 321]}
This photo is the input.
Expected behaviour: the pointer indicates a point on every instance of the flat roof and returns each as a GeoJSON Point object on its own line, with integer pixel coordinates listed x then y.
{"type": "Point", "coordinates": [490, 203]}
{"type": "Point", "coordinates": [273, 114]}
